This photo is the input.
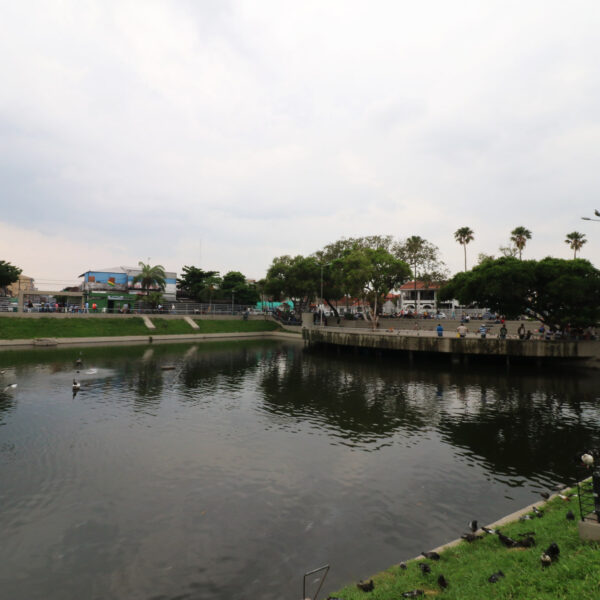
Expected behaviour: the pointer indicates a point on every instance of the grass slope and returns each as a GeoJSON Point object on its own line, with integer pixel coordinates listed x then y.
{"type": "Point", "coordinates": [467, 566]}
{"type": "Point", "coordinates": [235, 326]}
{"type": "Point", "coordinates": [22, 329]}
{"type": "Point", "coordinates": [48, 327]}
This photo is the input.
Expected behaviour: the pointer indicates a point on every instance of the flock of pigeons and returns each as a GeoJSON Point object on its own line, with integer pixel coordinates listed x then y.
{"type": "Point", "coordinates": [526, 540]}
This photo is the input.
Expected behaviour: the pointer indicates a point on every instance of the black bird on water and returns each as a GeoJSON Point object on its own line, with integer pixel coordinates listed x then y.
{"type": "Point", "coordinates": [366, 586]}
{"type": "Point", "coordinates": [425, 568]}
{"type": "Point", "coordinates": [494, 577]}
{"type": "Point", "coordinates": [431, 555]}
{"type": "Point", "coordinates": [442, 582]}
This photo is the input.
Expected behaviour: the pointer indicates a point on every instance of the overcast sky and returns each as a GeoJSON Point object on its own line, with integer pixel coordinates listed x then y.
{"type": "Point", "coordinates": [222, 134]}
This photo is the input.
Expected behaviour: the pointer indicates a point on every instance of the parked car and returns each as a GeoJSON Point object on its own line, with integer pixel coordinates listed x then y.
{"type": "Point", "coordinates": [441, 315]}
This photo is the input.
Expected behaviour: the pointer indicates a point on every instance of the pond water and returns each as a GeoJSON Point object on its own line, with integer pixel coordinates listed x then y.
{"type": "Point", "coordinates": [246, 464]}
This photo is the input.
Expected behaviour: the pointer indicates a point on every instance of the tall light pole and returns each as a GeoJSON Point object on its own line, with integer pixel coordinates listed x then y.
{"type": "Point", "coordinates": [232, 295]}
{"type": "Point", "coordinates": [596, 212]}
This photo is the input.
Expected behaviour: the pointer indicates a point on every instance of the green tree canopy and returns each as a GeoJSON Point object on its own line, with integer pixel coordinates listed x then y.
{"type": "Point", "coordinates": [376, 272]}
{"type": "Point", "coordinates": [423, 258]}
{"type": "Point", "coordinates": [235, 286]}
{"type": "Point", "coordinates": [294, 278]}
{"type": "Point", "coordinates": [8, 274]}
{"type": "Point", "coordinates": [558, 292]}
{"type": "Point", "coordinates": [198, 284]}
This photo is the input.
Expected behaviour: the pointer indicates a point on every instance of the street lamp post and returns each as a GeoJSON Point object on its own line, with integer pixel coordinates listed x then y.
{"type": "Point", "coordinates": [232, 295]}
{"type": "Point", "coordinates": [596, 212]}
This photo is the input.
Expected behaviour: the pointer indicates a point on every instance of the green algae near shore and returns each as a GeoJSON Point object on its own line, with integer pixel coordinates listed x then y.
{"type": "Point", "coordinates": [467, 566]}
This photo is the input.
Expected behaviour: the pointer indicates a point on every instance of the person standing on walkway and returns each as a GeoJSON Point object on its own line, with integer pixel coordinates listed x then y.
{"type": "Point", "coordinates": [462, 330]}
{"type": "Point", "coordinates": [482, 331]}
{"type": "Point", "coordinates": [440, 330]}
{"type": "Point", "coordinates": [521, 331]}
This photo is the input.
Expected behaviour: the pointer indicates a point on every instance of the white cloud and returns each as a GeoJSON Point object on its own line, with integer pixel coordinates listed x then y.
{"type": "Point", "coordinates": [253, 130]}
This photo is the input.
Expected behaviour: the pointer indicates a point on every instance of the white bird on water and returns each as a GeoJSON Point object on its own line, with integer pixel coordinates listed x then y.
{"type": "Point", "coordinates": [587, 459]}
{"type": "Point", "coordinates": [76, 385]}
{"type": "Point", "coordinates": [12, 386]}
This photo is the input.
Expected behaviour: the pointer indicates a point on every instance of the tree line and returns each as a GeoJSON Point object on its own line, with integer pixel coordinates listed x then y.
{"type": "Point", "coordinates": [363, 267]}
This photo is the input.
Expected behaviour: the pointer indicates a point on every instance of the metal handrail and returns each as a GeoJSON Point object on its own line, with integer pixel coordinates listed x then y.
{"type": "Point", "coordinates": [326, 569]}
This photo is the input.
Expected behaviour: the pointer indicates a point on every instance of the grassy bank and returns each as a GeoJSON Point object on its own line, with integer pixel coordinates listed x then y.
{"type": "Point", "coordinates": [235, 326]}
{"type": "Point", "coordinates": [15, 328]}
{"type": "Point", "coordinates": [467, 566]}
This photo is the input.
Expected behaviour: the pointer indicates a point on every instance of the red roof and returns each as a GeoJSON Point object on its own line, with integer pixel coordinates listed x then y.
{"type": "Point", "coordinates": [410, 285]}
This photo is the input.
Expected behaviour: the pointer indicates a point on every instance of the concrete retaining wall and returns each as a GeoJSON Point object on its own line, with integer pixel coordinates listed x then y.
{"type": "Point", "coordinates": [585, 353]}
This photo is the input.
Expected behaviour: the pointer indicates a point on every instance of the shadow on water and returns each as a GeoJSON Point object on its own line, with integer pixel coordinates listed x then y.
{"type": "Point", "coordinates": [512, 419]}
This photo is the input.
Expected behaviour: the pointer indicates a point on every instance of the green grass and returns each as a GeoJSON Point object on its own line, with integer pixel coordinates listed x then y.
{"type": "Point", "coordinates": [207, 326]}
{"type": "Point", "coordinates": [170, 327]}
{"type": "Point", "coordinates": [15, 328]}
{"type": "Point", "coordinates": [48, 327]}
{"type": "Point", "coordinates": [467, 566]}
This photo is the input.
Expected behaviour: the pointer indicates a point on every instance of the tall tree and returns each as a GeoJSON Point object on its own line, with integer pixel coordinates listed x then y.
{"type": "Point", "coordinates": [576, 240]}
{"type": "Point", "coordinates": [423, 258]}
{"type": "Point", "coordinates": [8, 274]}
{"type": "Point", "coordinates": [519, 237]}
{"type": "Point", "coordinates": [198, 284]}
{"type": "Point", "coordinates": [379, 272]}
{"type": "Point", "coordinates": [555, 291]}
{"type": "Point", "coordinates": [294, 278]}
{"type": "Point", "coordinates": [151, 277]}
{"type": "Point", "coordinates": [235, 286]}
{"type": "Point", "coordinates": [463, 236]}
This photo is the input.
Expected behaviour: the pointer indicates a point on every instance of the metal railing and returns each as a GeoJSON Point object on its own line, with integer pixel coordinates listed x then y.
{"type": "Point", "coordinates": [321, 581]}
{"type": "Point", "coordinates": [588, 494]}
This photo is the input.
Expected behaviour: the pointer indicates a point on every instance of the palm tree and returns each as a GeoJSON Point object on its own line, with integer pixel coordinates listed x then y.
{"type": "Point", "coordinates": [576, 240]}
{"type": "Point", "coordinates": [463, 236]}
{"type": "Point", "coordinates": [151, 277]}
{"type": "Point", "coordinates": [519, 237]}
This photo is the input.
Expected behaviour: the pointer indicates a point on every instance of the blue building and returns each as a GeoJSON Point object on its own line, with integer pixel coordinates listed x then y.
{"type": "Point", "coordinates": [114, 287]}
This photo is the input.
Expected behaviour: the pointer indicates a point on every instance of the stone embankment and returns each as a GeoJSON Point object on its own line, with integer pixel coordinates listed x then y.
{"type": "Point", "coordinates": [584, 353]}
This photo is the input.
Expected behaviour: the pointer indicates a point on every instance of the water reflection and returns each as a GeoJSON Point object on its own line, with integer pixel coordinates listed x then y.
{"type": "Point", "coordinates": [505, 418]}
{"type": "Point", "coordinates": [244, 465]}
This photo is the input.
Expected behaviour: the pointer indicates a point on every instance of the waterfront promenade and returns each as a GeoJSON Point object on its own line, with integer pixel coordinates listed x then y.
{"type": "Point", "coordinates": [584, 353]}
